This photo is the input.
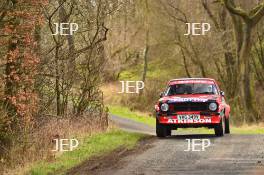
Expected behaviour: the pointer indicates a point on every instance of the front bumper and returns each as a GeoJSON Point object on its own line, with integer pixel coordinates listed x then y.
{"type": "Point", "coordinates": [205, 118]}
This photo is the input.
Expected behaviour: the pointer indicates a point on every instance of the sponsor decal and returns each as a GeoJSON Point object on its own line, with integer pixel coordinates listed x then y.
{"type": "Point", "coordinates": [188, 100]}
{"type": "Point", "coordinates": [207, 120]}
{"type": "Point", "coordinates": [192, 82]}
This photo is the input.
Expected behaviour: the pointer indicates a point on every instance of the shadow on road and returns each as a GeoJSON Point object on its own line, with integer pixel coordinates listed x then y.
{"type": "Point", "coordinates": [191, 136]}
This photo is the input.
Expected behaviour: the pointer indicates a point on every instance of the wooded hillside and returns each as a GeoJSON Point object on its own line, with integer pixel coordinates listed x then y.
{"type": "Point", "coordinates": [47, 77]}
{"type": "Point", "coordinates": [154, 49]}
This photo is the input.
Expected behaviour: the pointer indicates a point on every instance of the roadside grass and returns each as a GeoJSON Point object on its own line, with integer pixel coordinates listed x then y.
{"type": "Point", "coordinates": [246, 129]}
{"type": "Point", "coordinates": [148, 120]}
{"type": "Point", "coordinates": [135, 116]}
{"type": "Point", "coordinates": [90, 146]}
{"type": "Point", "coordinates": [156, 68]}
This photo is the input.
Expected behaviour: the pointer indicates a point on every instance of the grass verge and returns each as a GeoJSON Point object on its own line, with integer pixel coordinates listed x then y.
{"type": "Point", "coordinates": [143, 118]}
{"type": "Point", "coordinates": [135, 116]}
{"type": "Point", "coordinates": [95, 145]}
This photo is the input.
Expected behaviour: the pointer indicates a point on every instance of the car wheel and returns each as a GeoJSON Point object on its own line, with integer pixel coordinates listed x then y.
{"type": "Point", "coordinates": [161, 130]}
{"type": "Point", "coordinates": [220, 128]}
{"type": "Point", "coordinates": [227, 127]}
{"type": "Point", "coordinates": [168, 132]}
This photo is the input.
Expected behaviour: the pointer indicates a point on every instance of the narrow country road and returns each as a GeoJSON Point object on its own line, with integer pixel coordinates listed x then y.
{"type": "Point", "coordinates": [230, 155]}
{"type": "Point", "coordinates": [130, 125]}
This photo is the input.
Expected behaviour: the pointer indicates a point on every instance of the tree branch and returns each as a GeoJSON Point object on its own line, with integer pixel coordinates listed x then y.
{"type": "Point", "coordinates": [236, 10]}
{"type": "Point", "coordinates": [210, 14]}
{"type": "Point", "coordinates": [259, 13]}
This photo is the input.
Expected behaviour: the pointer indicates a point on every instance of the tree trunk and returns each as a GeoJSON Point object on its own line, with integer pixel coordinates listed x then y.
{"type": "Point", "coordinates": [246, 72]}
{"type": "Point", "coordinates": [146, 50]}
{"type": "Point", "coordinates": [57, 81]}
{"type": "Point", "coordinates": [145, 63]}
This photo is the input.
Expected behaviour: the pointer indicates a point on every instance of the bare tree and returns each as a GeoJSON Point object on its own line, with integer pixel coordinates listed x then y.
{"type": "Point", "coordinates": [244, 24]}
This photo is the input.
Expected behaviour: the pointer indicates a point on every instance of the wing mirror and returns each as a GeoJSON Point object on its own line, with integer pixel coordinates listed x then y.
{"type": "Point", "coordinates": [222, 93]}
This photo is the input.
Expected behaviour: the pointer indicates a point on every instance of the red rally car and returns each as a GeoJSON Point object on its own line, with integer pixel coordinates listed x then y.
{"type": "Point", "coordinates": [192, 102]}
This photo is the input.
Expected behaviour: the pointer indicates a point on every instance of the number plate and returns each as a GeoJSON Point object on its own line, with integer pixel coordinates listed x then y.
{"type": "Point", "coordinates": [189, 117]}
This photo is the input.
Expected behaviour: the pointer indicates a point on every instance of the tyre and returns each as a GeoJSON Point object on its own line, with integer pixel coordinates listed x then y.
{"type": "Point", "coordinates": [220, 128]}
{"type": "Point", "coordinates": [227, 127]}
{"type": "Point", "coordinates": [161, 130]}
{"type": "Point", "coordinates": [168, 131]}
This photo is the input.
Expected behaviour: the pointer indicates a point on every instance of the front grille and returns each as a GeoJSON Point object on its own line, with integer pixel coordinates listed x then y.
{"type": "Point", "coordinates": [189, 106]}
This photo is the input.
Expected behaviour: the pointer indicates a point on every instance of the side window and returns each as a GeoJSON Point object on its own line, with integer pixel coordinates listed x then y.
{"type": "Point", "coordinates": [217, 89]}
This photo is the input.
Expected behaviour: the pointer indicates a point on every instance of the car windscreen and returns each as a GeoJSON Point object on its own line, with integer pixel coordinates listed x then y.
{"type": "Point", "coordinates": [194, 88]}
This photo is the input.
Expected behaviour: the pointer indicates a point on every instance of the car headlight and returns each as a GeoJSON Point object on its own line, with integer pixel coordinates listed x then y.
{"type": "Point", "coordinates": [164, 107]}
{"type": "Point", "coordinates": [212, 106]}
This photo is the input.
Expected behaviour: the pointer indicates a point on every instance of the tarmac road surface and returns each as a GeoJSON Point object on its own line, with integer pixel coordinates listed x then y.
{"type": "Point", "coordinates": [230, 155]}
